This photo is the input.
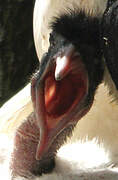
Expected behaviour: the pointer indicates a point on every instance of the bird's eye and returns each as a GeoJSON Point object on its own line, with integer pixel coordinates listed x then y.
{"type": "Point", "coordinates": [52, 40]}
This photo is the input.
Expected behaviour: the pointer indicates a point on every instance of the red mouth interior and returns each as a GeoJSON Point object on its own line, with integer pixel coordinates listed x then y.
{"type": "Point", "coordinates": [61, 96]}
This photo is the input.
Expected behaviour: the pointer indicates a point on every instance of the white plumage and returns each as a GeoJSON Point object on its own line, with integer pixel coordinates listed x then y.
{"type": "Point", "coordinates": [51, 9]}
{"type": "Point", "coordinates": [91, 153]}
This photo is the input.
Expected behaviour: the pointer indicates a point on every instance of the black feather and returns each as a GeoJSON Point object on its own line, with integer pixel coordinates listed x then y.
{"type": "Point", "coordinates": [83, 32]}
{"type": "Point", "coordinates": [109, 29]}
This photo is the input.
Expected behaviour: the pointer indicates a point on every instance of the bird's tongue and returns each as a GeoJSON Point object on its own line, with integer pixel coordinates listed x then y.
{"type": "Point", "coordinates": [57, 98]}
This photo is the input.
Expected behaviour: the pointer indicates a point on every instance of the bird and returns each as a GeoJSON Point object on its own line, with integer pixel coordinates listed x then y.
{"type": "Point", "coordinates": [75, 34]}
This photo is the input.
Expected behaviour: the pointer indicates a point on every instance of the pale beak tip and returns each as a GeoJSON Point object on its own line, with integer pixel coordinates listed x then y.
{"type": "Point", "coordinates": [57, 77]}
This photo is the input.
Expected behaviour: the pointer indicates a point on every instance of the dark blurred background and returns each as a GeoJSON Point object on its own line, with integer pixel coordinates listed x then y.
{"type": "Point", "coordinates": [17, 52]}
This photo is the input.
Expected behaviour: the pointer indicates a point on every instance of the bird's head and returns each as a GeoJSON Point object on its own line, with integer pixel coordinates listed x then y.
{"type": "Point", "coordinates": [63, 89]}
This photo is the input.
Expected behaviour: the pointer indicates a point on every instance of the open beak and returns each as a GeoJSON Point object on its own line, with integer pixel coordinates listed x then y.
{"type": "Point", "coordinates": [58, 93]}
